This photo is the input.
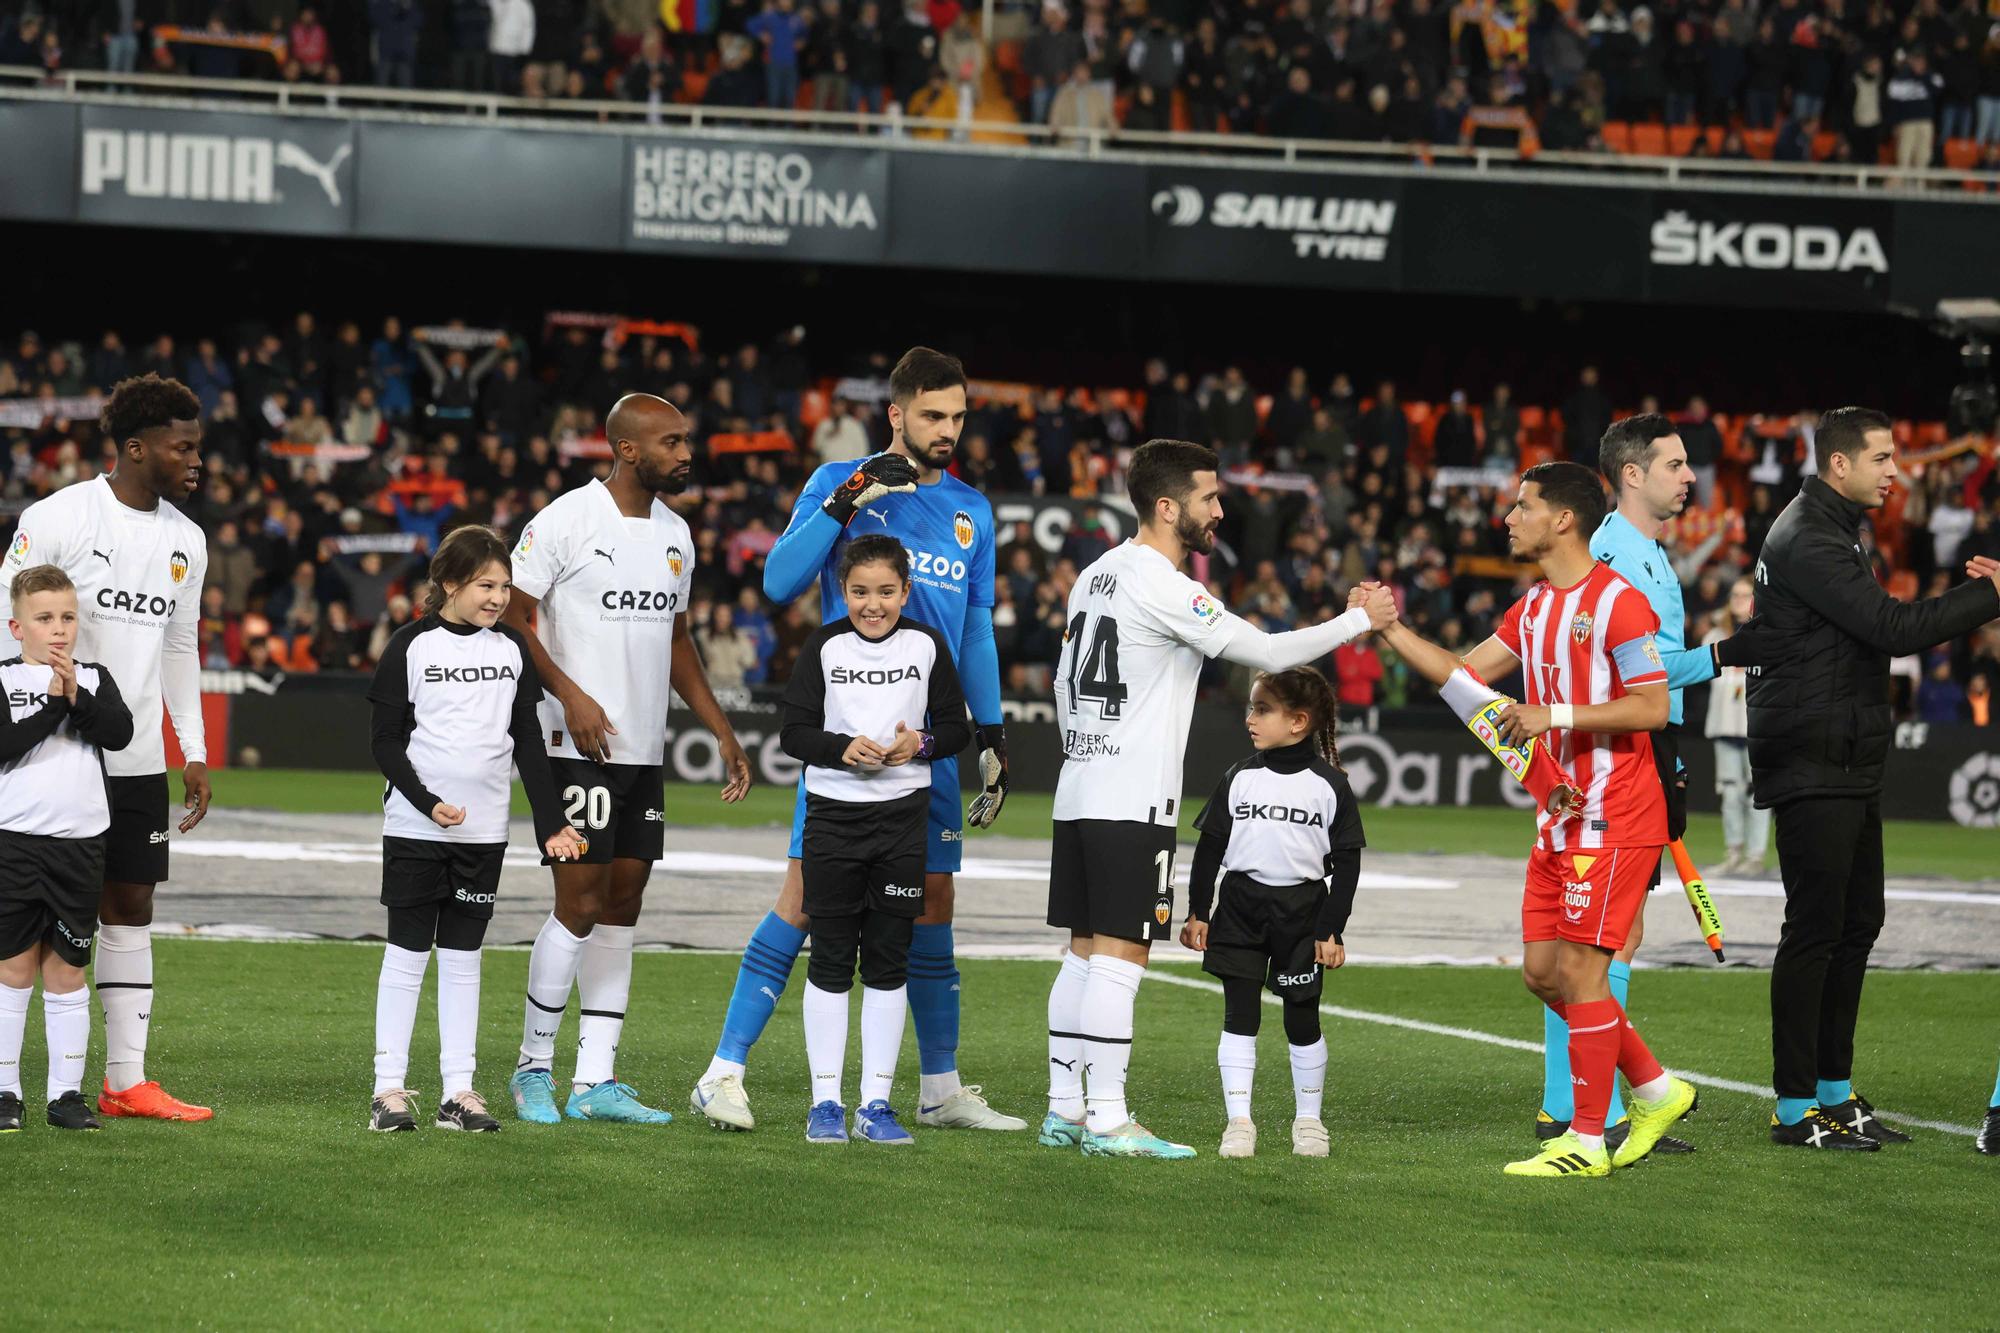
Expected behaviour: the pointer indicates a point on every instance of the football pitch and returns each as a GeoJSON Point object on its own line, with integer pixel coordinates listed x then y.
{"type": "Point", "coordinates": [1938, 848]}
{"type": "Point", "coordinates": [285, 1211]}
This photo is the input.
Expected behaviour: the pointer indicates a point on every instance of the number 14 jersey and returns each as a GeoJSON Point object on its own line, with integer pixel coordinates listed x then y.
{"type": "Point", "coordinates": [1137, 633]}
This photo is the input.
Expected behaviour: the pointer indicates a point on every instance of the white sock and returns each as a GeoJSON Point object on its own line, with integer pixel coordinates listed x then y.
{"type": "Point", "coordinates": [1308, 1079]}
{"type": "Point", "coordinates": [1107, 1039]}
{"type": "Point", "coordinates": [396, 991]}
{"type": "Point", "coordinates": [603, 985]}
{"type": "Point", "coordinates": [66, 1019]}
{"type": "Point", "coordinates": [458, 1020]}
{"type": "Point", "coordinates": [13, 1029]}
{"type": "Point", "coordinates": [1066, 1037]}
{"type": "Point", "coordinates": [125, 991]}
{"type": "Point", "coordinates": [552, 965]}
{"type": "Point", "coordinates": [826, 1041]}
{"type": "Point", "coordinates": [934, 1089]}
{"type": "Point", "coordinates": [1591, 1140]}
{"type": "Point", "coordinates": [1653, 1089]}
{"type": "Point", "coordinates": [719, 1068]}
{"type": "Point", "coordinates": [882, 1015]}
{"type": "Point", "coordinates": [1236, 1056]}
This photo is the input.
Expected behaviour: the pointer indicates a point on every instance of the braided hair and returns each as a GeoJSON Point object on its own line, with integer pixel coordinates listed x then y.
{"type": "Point", "coordinates": [1304, 690]}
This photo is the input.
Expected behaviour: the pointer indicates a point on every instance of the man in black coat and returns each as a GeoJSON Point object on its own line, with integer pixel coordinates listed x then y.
{"type": "Point", "coordinates": [1819, 735]}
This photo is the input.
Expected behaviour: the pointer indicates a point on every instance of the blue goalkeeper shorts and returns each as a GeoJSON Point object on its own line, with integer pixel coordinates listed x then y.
{"type": "Point", "coordinates": [944, 842]}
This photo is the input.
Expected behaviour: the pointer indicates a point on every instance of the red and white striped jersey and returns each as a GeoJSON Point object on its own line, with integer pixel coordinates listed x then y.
{"type": "Point", "coordinates": [1589, 644]}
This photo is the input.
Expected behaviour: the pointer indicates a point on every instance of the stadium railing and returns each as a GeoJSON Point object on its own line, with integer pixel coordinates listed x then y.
{"type": "Point", "coordinates": [918, 133]}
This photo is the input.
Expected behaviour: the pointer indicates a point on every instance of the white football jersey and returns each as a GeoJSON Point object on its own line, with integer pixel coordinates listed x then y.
{"type": "Point", "coordinates": [848, 684]}
{"type": "Point", "coordinates": [1282, 814]}
{"type": "Point", "coordinates": [609, 588]}
{"type": "Point", "coordinates": [138, 579]}
{"type": "Point", "coordinates": [460, 685]}
{"type": "Point", "coordinates": [1131, 657]}
{"type": "Point", "coordinates": [56, 789]}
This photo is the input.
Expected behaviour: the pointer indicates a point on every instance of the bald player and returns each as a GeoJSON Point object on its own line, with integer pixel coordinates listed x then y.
{"type": "Point", "coordinates": [608, 567]}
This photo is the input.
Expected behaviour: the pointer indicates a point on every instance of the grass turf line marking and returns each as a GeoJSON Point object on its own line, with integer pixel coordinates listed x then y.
{"type": "Point", "coordinates": [1535, 1048]}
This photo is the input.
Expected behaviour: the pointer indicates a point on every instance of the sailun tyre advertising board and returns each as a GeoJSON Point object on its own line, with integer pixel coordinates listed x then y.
{"type": "Point", "coordinates": [215, 172]}
{"type": "Point", "coordinates": [714, 197]}
{"type": "Point", "coordinates": [1300, 228]}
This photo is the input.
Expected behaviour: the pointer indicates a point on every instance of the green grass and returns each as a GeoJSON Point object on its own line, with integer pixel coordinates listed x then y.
{"type": "Point", "coordinates": [285, 1212]}
{"type": "Point", "coordinates": [1911, 847]}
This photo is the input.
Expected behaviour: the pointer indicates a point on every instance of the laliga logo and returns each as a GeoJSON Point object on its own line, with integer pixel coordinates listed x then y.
{"type": "Point", "coordinates": [1975, 792]}
{"type": "Point", "coordinates": [1185, 203]}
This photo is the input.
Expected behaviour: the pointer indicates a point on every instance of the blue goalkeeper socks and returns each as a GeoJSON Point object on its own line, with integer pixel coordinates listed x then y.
{"type": "Point", "coordinates": [1996, 1092]}
{"type": "Point", "coordinates": [934, 998]}
{"type": "Point", "coordinates": [1558, 1097]}
{"type": "Point", "coordinates": [1621, 983]}
{"type": "Point", "coordinates": [1791, 1110]}
{"type": "Point", "coordinates": [1833, 1093]}
{"type": "Point", "coordinates": [767, 965]}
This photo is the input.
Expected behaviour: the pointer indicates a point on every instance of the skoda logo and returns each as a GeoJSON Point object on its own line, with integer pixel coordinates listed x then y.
{"type": "Point", "coordinates": [1181, 205]}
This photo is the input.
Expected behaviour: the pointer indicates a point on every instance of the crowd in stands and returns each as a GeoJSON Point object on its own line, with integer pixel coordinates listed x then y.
{"type": "Point", "coordinates": [1916, 82]}
{"type": "Point", "coordinates": [335, 457]}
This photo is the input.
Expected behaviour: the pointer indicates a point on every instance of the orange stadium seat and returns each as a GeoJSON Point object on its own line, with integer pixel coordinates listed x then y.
{"type": "Point", "coordinates": [1649, 140]}
{"type": "Point", "coordinates": [1961, 154]}
{"type": "Point", "coordinates": [1760, 143]}
{"type": "Point", "coordinates": [1680, 138]}
{"type": "Point", "coordinates": [1617, 136]}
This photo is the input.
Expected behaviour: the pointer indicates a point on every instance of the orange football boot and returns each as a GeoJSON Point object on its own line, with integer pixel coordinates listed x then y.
{"type": "Point", "coordinates": [148, 1101]}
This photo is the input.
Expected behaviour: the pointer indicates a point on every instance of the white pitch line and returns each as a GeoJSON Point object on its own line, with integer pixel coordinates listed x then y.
{"type": "Point", "coordinates": [1535, 1048]}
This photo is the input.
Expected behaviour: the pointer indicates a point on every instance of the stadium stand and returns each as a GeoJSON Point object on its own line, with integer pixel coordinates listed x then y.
{"type": "Point", "coordinates": [336, 457]}
{"type": "Point", "coordinates": [1804, 81]}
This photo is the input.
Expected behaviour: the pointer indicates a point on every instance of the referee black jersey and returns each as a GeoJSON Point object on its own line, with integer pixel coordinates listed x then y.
{"type": "Point", "coordinates": [846, 684]}
{"type": "Point", "coordinates": [1283, 818]}
{"type": "Point", "coordinates": [454, 712]}
{"type": "Point", "coordinates": [52, 751]}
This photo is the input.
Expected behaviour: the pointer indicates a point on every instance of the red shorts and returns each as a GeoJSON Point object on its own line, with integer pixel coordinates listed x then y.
{"type": "Point", "coordinates": [1586, 897]}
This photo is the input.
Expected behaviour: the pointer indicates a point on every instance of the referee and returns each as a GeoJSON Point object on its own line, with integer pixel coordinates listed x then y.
{"type": "Point", "coordinates": [1819, 734]}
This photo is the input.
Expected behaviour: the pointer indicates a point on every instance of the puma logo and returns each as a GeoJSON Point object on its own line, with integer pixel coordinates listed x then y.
{"type": "Point", "coordinates": [882, 514]}
{"type": "Point", "coordinates": [1066, 1064]}
{"type": "Point", "coordinates": [295, 157]}
{"type": "Point", "coordinates": [101, 555]}
{"type": "Point", "coordinates": [605, 554]}
{"type": "Point", "coordinates": [766, 990]}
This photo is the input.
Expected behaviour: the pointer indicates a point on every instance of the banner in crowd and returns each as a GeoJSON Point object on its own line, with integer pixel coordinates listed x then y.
{"type": "Point", "coordinates": [457, 338]}
{"type": "Point", "coordinates": [379, 543]}
{"type": "Point", "coordinates": [30, 413]}
{"type": "Point", "coordinates": [1318, 226]}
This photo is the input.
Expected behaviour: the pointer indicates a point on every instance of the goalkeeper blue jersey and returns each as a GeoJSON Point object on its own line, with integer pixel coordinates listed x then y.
{"type": "Point", "coordinates": [947, 528]}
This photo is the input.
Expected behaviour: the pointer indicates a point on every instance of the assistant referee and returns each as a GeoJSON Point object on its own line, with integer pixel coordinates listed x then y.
{"type": "Point", "coordinates": [1819, 735]}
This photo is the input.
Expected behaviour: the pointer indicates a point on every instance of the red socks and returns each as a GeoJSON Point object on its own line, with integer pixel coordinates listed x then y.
{"type": "Point", "coordinates": [1595, 1034]}
{"type": "Point", "coordinates": [1635, 1061]}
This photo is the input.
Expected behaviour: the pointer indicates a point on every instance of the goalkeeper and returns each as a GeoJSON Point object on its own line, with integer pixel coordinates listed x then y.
{"type": "Point", "coordinates": [907, 493]}
{"type": "Point", "coordinates": [1646, 463]}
